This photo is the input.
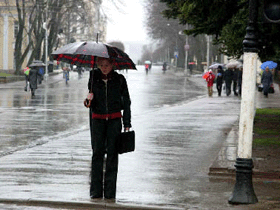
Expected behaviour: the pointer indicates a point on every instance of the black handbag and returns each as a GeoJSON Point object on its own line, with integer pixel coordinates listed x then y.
{"type": "Point", "coordinates": [126, 142]}
{"type": "Point", "coordinates": [271, 89]}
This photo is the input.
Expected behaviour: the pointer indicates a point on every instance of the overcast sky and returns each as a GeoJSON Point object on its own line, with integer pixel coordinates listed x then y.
{"type": "Point", "coordinates": [126, 25]}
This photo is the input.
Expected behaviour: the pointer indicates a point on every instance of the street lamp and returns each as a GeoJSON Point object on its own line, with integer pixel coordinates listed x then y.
{"type": "Point", "coordinates": [186, 47]}
{"type": "Point", "coordinates": [46, 43]}
{"type": "Point", "coordinates": [243, 192]}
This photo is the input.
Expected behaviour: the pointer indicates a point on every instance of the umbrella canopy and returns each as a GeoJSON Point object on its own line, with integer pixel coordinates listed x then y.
{"type": "Point", "coordinates": [216, 65]}
{"type": "Point", "coordinates": [36, 63]}
{"type": "Point", "coordinates": [234, 64]}
{"type": "Point", "coordinates": [206, 74]}
{"type": "Point", "coordinates": [269, 64]}
{"type": "Point", "coordinates": [84, 54]}
{"type": "Point", "coordinates": [147, 62]}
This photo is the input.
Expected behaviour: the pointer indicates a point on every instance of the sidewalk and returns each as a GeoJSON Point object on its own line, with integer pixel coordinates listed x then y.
{"type": "Point", "coordinates": [224, 164]}
{"type": "Point", "coordinates": [21, 83]}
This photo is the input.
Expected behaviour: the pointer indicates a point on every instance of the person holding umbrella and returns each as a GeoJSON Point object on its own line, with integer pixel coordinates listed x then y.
{"type": "Point", "coordinates": [26, 73]}
{"type": "Point", "coordinates": [220, 79]}
{"type": "Point", "coordinates": [228, 77]}
{"type": "Point", "coordinates": [109, 103]}
{"type": "Point", "coordinates": [266, 80]}
{"type": "Point", "coordinates": [33, 77]}
{"type": "Point", "coordinates": [108, 96]}
{"type": "Point", "coordinates": [210, 81]}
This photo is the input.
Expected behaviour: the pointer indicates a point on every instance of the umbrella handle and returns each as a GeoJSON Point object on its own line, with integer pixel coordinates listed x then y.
{"type": "Point", "coordinates": [87, 103]}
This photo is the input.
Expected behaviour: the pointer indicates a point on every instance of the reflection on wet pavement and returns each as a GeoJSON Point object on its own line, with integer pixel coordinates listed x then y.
{"type": "Point", "coordinates": [59, 107]}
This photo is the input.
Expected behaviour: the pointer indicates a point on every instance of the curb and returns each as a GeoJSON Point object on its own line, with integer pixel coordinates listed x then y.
{"type": "Point", "coordinates": [225, 161]}
{"type": "Point", "coordinates": [75, 204]}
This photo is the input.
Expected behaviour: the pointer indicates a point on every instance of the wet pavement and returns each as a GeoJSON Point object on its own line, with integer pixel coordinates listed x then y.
{"type": "Point", "coordinates": [179, 133]}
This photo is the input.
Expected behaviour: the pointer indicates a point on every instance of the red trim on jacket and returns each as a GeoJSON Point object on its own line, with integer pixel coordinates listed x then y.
{"type": "Point", "coordinates": [107, 116]}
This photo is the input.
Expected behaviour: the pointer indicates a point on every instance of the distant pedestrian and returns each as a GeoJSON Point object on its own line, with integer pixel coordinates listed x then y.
{"type": "Point", "coordinates": [235, 80]}
{"type": "Point", "coordinates": [147, 66]}
{"type": "Point", "coordinates": [228, 80]}
{"type": "Point", "coordinates": [79, 69]}
{"type": "Point", "coordinates": [266, 80]}
{"type": "Point", "coordinates": [33, 77]}
{"type": "Point", "coordinates": [164, 67]}
{"type": "Point", "coordinates": [219, 80]}
{"type": "Point", "coordinates": [41, 74]}
{"type": "Point", "coordinates": [108, 96]}
{"type": "Point", "coordinates": [210, 81]}
{"type": "Point", "coordinates": [66, 74]}
{"type": "Point", "coordinates": [26, 74]}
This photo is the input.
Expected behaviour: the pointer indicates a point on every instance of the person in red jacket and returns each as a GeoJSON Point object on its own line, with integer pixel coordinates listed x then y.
{"type": "Point", "coordinates": [210, 81]}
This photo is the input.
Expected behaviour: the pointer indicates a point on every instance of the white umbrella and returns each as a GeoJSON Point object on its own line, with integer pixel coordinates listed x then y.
{"type": "Point", "coordinates": [148, 62]}
{"type": "Point", "coordinates": [216, 65]}
{"type": "Point", "coordinates": [234, 64]}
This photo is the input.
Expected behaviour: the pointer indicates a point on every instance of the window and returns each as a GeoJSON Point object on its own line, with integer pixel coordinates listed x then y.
{"type": "Point", "coordinates": [16, 28]}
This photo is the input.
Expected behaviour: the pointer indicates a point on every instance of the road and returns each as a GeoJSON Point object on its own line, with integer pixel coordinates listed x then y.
{"type": "Point", "coordinates": [58, 107]}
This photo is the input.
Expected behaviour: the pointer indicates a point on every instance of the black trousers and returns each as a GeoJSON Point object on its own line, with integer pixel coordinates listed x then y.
{"type": "Point", "coordinates": [228, 87]}
{"type": "Point", "coordinates": [219, 88]}
{"type": "Point", "coordinates": [104, 134]}
{"type": "Point", "coordinates": [235, 87]}
{"type": "Point", "coordinates": [265, 89]}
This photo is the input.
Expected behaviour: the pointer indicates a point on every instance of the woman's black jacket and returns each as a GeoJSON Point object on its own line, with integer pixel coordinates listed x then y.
{"type": "Point", "coordinates": [111, 96]}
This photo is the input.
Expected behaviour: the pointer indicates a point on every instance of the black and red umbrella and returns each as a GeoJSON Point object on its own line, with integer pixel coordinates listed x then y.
{"type": "Point", "coordinates": [84, 54]}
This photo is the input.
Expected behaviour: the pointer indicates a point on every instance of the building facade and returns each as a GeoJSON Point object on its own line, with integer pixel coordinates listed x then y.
{"type": "Point", "coordinates": [8, 31]}
{"type": "Point", "coordinates": [80, 23]}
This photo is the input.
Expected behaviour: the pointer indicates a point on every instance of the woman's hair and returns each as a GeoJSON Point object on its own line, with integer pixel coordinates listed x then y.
{"type": "Point", "coordinates": [99, 59]}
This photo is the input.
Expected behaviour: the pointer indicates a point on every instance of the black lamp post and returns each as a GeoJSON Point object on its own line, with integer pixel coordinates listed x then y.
{"type": "Point", "coordinates": [243, 192]}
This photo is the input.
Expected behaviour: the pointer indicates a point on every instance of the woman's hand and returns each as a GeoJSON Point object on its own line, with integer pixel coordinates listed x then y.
{"type": "Point", "coordinates": [90, 96]}
{"type": "Point", "coordinates": [126, 129]}
{"type": "Point", "coordinates": [87, 101]}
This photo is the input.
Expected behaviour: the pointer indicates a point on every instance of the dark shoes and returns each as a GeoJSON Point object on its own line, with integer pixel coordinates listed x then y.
{"type": "Point", "coordinates": [96, 197]}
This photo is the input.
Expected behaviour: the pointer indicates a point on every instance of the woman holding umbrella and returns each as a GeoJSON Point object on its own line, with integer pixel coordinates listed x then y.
{"type": "Point", "coordinates": [108, 95]}
{"type": "Point", "coordinates": [33, 77]}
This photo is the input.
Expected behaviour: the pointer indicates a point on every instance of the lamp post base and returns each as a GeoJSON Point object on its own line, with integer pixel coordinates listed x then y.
{"type": "Point", "coordinates": [243, 192]}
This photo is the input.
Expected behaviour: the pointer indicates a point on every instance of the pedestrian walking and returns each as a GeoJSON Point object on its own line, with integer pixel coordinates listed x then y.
{"type": "Point", "coordinates": [266, 80]}
{"type": "Point", "coordinates": [164, 67]}
{"type": "Point", "coordinates": [235, 80]}
{"type": "Point", "coordinates": [79, 69]}
{"type": "Point", "coordinates": [66, 74]}
{"type": "Point", "coordinates": [108, 96]}
{"type": "Point", "coordinates": [147, 67]}
{"type": "Point", "coordinates": [210, 81]}
{"type": "Point", "coordinates": [33, 77]}
{"type": "Point", "coordinates": [228, 80]}
{"type": "Point", "coordinates": [219, 80]}
{"type": "Point", "coordinates": [26, 74]}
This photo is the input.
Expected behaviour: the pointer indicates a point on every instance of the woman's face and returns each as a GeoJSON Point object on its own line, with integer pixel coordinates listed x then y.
{"type": "Point", "coordinates": [105, 66]}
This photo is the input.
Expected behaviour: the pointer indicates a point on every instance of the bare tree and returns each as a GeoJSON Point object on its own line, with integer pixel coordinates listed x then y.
{"type": "Point", "coordinates": [59, 16]}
